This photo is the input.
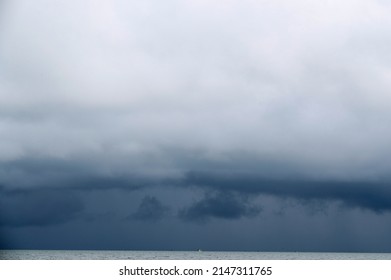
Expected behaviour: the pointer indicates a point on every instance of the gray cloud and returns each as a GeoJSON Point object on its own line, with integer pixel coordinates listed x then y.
{"type": "Point", "coordinates": [150, 209]}
{"type": "Point", "coordinates": [375, 196]}
{"type": "Point", "coordinates": [105, 84]}
{"type": "Point", "coordinates": [224, 205]}
{"type": "Point", "coordinates": [76, 173]}
{"type": "Point", "coordinates": [38, 208]}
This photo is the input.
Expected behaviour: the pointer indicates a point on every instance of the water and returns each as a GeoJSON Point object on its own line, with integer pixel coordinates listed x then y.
{"type": "Point", "coordinates": [183, 255]}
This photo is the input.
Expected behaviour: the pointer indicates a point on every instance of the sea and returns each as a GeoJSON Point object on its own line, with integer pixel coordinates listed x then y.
{"type": "Point", "coordinates": [183, 255]}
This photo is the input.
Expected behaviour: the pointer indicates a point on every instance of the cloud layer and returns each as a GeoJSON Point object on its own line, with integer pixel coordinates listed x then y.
{"type": "Point", "coordinates": [201, 114]}
{"type": "Point", "coordinates": [127, 83]}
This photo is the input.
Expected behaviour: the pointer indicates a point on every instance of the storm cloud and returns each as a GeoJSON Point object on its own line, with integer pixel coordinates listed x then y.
{"type": "Point", "coordinates": [38, 207]}
{"type": "Point", "coordinates": [119, 86]}
{"type": "Point", "coordinates": [179, 118]}
{"type": "Point", "coordinates": [150, 209]}
{"type": "Point", "coordinates": [223, 205]}
{"type": "Point", "coordinates": [374, 196]}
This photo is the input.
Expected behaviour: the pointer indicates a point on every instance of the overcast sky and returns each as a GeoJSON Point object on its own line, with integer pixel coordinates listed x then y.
{"type": "Point", "coordinates": [223, 125]}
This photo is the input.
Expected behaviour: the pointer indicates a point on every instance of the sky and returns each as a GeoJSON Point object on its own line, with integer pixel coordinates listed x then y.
{"type": "Point", "coordinates": [178, 125]}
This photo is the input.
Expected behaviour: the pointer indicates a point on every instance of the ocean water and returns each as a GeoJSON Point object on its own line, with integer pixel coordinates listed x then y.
{"type": "Point", "coordinates": [183, 255]}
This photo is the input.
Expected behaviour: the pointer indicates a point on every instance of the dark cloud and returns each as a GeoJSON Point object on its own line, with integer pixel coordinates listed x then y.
{"type": "Point", "coordinates": [150, 209]}
{"type": "Point", "coordinates": [38, 207]}
{"type": "Point", "coordinates": [77, 174]}
{"type": "Point", "coordinates": [223, 205]}
{"type": "Point", "coordinates": [374, 196]}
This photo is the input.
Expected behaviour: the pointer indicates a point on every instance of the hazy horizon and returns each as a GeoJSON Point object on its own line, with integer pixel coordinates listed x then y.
{"type": "Point", "coordinates": [184, 255]}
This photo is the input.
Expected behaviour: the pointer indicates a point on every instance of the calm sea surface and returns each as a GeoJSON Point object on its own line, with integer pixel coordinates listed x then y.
{"type": "Point", "coordinates": [183, 255]}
